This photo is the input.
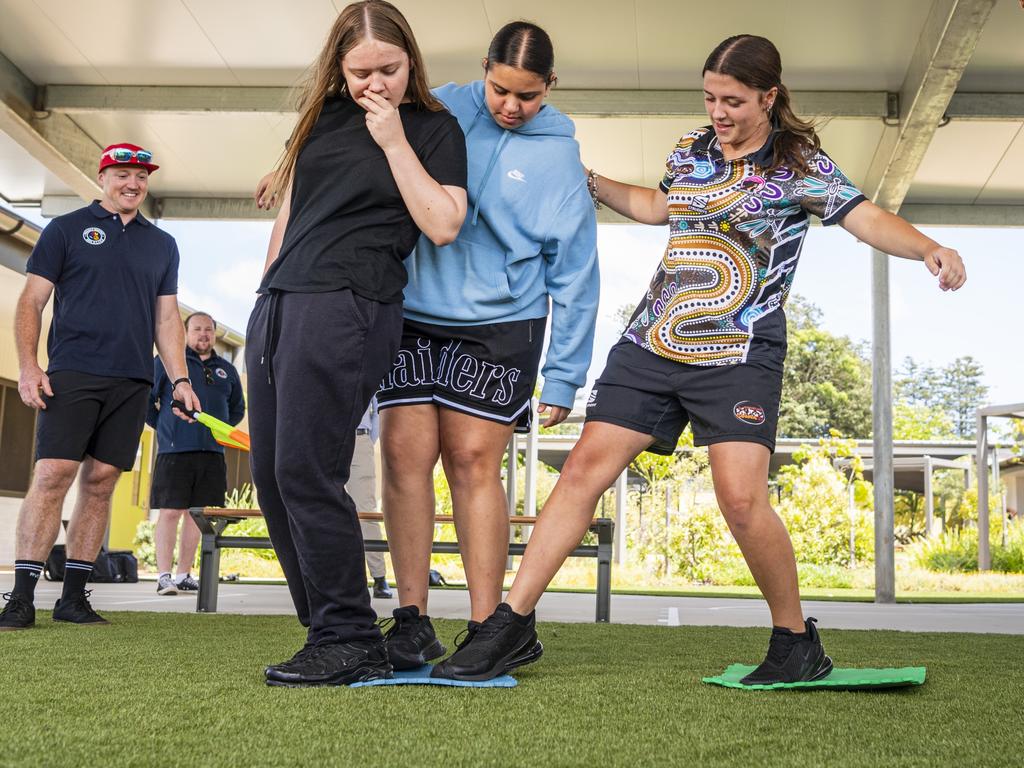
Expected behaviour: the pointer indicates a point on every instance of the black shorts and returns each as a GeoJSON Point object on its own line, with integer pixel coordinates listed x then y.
{"type": "Point", "coordinates": [98, 416]}
{"type": "Point", "coordinates": [189, 479]}
{"type": "Point", "coordinates": [487, 371]}
{"type": "Point", "coordinates": [648, 393]}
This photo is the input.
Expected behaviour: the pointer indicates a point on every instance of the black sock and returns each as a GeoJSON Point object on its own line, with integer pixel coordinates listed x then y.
{"type": "Point", "coordinates": [26, 576]}
{"type": "Point", "coordinates": [76, 574]}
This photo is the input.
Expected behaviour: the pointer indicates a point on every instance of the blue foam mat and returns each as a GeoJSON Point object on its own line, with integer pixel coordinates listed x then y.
{"type": "Point", "coordinates": [422, 676]}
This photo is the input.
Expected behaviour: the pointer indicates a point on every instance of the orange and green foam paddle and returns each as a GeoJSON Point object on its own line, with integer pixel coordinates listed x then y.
{"type": "Point", "coordinates": [223, 433]}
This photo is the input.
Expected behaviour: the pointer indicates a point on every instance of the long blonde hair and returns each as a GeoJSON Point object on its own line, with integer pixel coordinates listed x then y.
{"type": "Point", "coordinates": [376, 19]}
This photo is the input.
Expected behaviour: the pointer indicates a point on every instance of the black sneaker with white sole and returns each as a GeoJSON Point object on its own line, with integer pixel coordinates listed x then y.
{"type": "Point", "coordinates": [76, 610]}
{"type": "Point", "coordinates": [342, 663]}
{"type": "Point", "coordinates": [165, 585]}
{"type": "Point", "coordinates": [19, 613]}
{"type": "Point", "coordinates": [410, 638]}
{"type": "Point", "coordinates": [187, 584]}
{"type": "Point", "coordinates": [500, 643]}
{"type": "Point", "coordinates": [792, 658]}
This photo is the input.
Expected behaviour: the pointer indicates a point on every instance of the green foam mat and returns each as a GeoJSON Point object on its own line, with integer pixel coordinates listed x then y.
{"type": "Point", "coordinates": [841, 679]}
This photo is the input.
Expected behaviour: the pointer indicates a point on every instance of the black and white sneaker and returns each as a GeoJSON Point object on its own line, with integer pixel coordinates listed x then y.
{"type": "Point", "coordinates": [792, 658]}
{"type": "Point", "coordinates": [165, 585]}
{"type": "Point", "coordinates": [19, 613]}
{"type": "Point", "coordinates": [76, 610]}
{"type": "Point", "coordinates": [381, 590]}
{"type": "Point", "coordinates": [410, 638]}
{"type": "Point", "coordinates": [187, 584]}
{"type": "Point", "coordinates": [345, 663]}
{"type": "Point", "coordinates": [503, 641]}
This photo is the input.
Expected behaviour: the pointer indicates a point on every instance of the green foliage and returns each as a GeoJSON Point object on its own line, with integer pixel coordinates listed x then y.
{"type": "Point", "coordinates": [827, 379]}
{"type": "Point", "coordinates": [955, 390]}
{"type": "Point", "coordinates": [919, 421]}
{"type": "Point", "coordinates": [144, 546]}
{"type": "Point", "coordinates": [815, 504]}
{"type": "Point", "coordinates": [956, 551]}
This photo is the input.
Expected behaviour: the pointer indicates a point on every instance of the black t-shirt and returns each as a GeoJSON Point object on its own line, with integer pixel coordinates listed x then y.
{"type": "Point", "coordinates": [349, 227]}
{"type": "Point", "coordinates": [107, 278]}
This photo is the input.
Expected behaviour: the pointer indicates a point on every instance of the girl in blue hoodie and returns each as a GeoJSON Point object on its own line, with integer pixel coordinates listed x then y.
{"type": "Point", "coordinates": [475, 314]}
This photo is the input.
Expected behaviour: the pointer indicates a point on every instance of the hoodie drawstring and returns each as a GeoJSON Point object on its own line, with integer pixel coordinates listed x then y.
{"type": "Point", "coordinates": [487, 174]}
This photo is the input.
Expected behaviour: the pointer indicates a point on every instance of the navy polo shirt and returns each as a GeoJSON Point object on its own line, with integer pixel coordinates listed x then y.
{"type": "Point", "coordinates": [219, 389]}
{"type": "Point", "coordinates": [106, 277]}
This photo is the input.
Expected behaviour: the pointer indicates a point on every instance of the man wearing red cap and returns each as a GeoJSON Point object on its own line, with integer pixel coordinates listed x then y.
{"type": "Point", "coordinates": [114, 277]}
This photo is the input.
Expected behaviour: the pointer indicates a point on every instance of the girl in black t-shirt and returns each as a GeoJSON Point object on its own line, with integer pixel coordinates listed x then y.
{"type": "Point", "coordinates": [373, 161]}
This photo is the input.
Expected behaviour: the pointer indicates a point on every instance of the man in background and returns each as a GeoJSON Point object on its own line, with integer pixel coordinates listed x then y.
{"type": "Point", "coordinates": [190, 469]}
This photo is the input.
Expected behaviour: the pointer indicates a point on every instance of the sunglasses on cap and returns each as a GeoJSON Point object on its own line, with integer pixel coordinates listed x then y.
{"type": "Point", "coordinates": [124, 155]}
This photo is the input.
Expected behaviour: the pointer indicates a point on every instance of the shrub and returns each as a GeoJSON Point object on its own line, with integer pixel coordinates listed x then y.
{"type": "Point", "coordinates": [956, 551]}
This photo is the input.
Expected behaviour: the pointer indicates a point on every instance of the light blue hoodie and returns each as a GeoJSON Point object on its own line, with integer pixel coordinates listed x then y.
{"type": "Point", "coordinates": [530, 233]}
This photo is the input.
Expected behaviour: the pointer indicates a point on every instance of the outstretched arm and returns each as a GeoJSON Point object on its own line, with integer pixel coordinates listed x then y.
{"type": "Point", "coordinates": [643, 204]}
{"type": "Point", "coordinates": [898, 237]}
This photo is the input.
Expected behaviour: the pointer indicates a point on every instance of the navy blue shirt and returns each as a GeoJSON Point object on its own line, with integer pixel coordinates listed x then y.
{"type": "Point", "coordinates": [107, 277]}
{"type": "Point", "coordinates": [218, 387]}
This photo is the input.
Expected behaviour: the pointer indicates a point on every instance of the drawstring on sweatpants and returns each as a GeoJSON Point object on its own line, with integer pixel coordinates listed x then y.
{"type": "Point", "coordinates": [269, 339]}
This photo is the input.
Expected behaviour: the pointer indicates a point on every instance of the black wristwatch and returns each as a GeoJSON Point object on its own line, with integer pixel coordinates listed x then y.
{"type": "Point", "coordinates": [185, 379]}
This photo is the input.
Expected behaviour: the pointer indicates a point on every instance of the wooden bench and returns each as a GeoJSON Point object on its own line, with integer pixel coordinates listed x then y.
{"type": "Point", "coordinates": [213, 520]}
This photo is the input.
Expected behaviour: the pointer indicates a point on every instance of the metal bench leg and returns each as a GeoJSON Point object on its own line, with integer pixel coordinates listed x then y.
{"type": "Point", "coordinates": [604, 572]}
{"type": "Point", "coordinates": [209, 574]}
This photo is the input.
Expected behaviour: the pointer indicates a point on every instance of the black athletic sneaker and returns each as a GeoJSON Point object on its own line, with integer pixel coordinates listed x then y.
{"type": "Point", "coordinates": [19, 613]}
{"type": "Point", "coordinates": [792, 658]}
{"type": "Point", "coordinates": [502, 642]}
{"type": "Point", "coordinates": [381, 590]}
{"type": "Point", "coordinates": [76, 610]}
{"type": "Point", "coordinates": [354, 661]}
{"type": "Point", "coordinates": [410, 638]}
{"type": "Point", "coordinates": [285, 667]}
{"type": "Point", "coordinates": [188, 584]}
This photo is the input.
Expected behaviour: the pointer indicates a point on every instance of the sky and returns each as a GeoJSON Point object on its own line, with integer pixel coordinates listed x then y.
{"type": "Point", "coordinates": [222, 262]}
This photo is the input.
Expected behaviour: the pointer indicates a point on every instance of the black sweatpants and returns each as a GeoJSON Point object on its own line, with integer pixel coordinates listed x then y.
{"type": "Point", "coordinates": [314, 360]}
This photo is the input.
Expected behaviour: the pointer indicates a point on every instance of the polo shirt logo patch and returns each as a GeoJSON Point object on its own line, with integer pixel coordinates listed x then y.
{"type": "Point", "coordinates": [94, 236]}
{"type": "Point", "coordinates": [748, 412]}
{"type": "Point", "coordinates": [221, 372]}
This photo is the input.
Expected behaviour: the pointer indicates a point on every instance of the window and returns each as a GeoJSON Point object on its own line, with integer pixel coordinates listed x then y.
{"type": "Point", "coordinates": [17, 441]}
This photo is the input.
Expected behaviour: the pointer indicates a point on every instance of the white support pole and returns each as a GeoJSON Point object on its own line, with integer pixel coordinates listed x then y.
{"type": "Point", "coordinates": [511, 477]}
{"type": "Point", "coordinates": [881, 397]}
{"type": "Point", "coordinates": [929, 499]}
{"type": "Point", "coordinates": [619, 553]}
{"type": "Point", "coordinates": [984, 555]}
{"type": "Point", "coordinates": [530, 493]}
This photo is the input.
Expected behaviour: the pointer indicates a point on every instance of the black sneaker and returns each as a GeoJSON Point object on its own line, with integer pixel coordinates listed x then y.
{"type": "Point", "coordinates": [19, 613]}
{"type": "Point", "coordinates": [502, 642]}
{"type": "Point", "coordinates": [354, 661]}
{"type": "Point", "coordinates": [410, 638]}
{"type": "Point", "coordinates": [76, 610]}
{"type": "Point", "coordinates": [792, 658]}
{"type": "Point", "coordinates": [285, 667]}
{"type": "Point", "coordinates": [188, 584]}
{"type": "Point", "coordinates": [381, 590]}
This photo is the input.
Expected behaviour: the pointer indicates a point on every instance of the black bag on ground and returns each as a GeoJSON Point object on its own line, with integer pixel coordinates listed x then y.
{"type": "Point", "coordinates": [53, 568]}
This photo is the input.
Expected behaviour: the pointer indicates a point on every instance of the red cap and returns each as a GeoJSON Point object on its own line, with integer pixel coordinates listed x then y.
{"type": "Point", "coordinates": [106, 159]}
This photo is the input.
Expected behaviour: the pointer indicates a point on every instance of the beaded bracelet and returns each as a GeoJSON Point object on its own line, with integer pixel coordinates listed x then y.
{"type": "Point", "coordinates": [592, 188]}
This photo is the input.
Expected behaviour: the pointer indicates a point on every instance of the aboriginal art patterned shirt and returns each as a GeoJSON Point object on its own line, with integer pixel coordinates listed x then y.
{"type": "Point", "coordinates": [735, 235]}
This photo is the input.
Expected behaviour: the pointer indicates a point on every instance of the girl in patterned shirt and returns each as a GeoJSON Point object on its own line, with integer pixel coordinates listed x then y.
{"type": "Point", "coordinates": [707, 343]}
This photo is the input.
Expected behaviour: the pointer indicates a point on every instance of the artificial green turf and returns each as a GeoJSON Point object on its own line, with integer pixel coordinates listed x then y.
{"type": "Point", "coordinates": [186, 689]}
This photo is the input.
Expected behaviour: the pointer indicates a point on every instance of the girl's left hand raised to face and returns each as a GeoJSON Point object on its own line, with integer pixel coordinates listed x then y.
{"type": "Point", "coordinates": [383, 121]}
{"type": "Point", "coordinates": [947, 264]}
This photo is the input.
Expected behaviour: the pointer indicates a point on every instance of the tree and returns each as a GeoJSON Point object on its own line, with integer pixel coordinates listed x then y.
{"type": "Point", "coordinates": [827, 379]}
{"type": "Point", "coordinates": [919, 421]}
{"type": "Point", "coordinates": [961, 392]}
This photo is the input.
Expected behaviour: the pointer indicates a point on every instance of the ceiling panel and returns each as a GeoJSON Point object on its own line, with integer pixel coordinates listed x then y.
{"type": "Point", "coordinates": [1004, 185]}
{"type": "Point", "coordinates": [22, 179]}
{"type": "Point", "coordinates": [39, 49]}
{"type": "Point", "coordinates": [265, 42]}
{"type": "Point", "coordinates": [144, 42]}
{"type": "Point", "coordinates": [960, 160]}
{"type": "Point", "coordinates": [595, 42]}
{"type": "Point", "coordinates": [998, 61]}
{"type": "Point", "coordinates": [871, 52]}
{"type": "Point", "coordinates": [452, 35]}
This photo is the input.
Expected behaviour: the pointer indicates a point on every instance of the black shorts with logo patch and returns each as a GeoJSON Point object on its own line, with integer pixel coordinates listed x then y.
{"type": "Point", "coordinates": [98, 416]}
{"type": "Point", "coordinates": [488, 371]}
{"type": "Point", "coordinates": [648, 393]}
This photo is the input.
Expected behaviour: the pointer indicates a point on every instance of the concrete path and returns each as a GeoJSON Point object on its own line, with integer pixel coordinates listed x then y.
{"type": "Point", "coordinates": [273, 599]}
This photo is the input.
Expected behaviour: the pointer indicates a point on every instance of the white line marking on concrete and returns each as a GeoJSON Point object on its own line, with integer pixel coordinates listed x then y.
{"type": "Point", "coordinates": [673, 617]}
